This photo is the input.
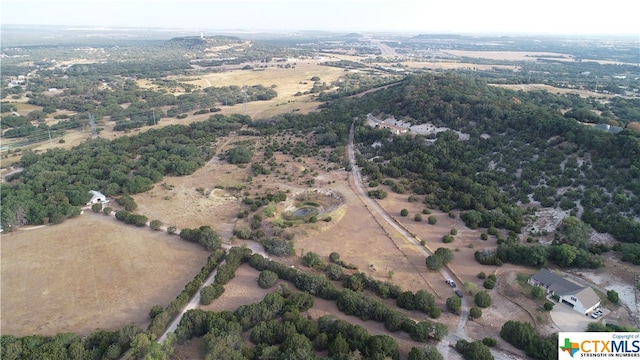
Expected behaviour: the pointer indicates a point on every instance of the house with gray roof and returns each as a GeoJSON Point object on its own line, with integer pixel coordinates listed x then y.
{"type": "Point", "coordinates": [581, 298]}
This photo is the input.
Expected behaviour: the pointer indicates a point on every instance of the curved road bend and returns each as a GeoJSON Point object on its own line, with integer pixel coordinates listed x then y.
{"type": "Point", "coordinates": [443, 346]}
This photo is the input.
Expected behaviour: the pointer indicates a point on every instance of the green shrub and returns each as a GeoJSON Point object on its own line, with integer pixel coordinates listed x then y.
{"type": "Point", "coordinates": [210, 293]}
{"type": "Point", "coordinates": [453, 304]}
{"type": "Point", "coordinates": [489, 341]}
{"type": "Point", "coordinates": [404, 212]}
{"type": "Point", "coordinates": [453, 232]}
{"type": "Point", "coordinates": [155, 224]}
{"type": "Point", "coordinates": [489, 284]}
{"type": "Point", "coordinates": [482, 299]}
{"type": "Point", "coordinates": [267, 279]}
{"type": "Point", "coordinates": [537, 292]}
{"type": "Point", "coordinates": [432, 220]}
{"type": "Point", "coordinates": [417, 217]}
{"type": "Point", "coordinates": [447, 239]}
{"type": "Point", "coordinates": [484, 236]}
{"type": "Point", "coordinates": [475, 312]}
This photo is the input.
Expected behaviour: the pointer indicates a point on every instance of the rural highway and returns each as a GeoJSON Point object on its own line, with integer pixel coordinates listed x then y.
{"type": "Point", "coordinates": [445, 345]}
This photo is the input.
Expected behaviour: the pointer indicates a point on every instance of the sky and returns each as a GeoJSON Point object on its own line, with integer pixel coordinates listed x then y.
{"type": "Point", "coordinates": [414, 16]}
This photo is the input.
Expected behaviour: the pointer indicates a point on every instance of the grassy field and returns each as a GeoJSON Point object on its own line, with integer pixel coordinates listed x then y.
{"type": "Point", "coordinates": [88, 273]}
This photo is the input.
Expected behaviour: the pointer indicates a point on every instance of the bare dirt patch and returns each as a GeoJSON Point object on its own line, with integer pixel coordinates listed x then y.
{"type": "Point", "coordinates": [88, 273]}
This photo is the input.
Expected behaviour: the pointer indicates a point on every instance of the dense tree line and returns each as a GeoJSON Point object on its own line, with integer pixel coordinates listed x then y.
{"type": "Point", "coordinates": [54, 184]}
{"type": "Point", "coordinates": [356, 303]}
{"type": "Point", "coordinates": [523, 336]}
{"type": "Point", "coordinates": [519, 147]}
{"type": "Point", "coordinates": [162, 319]}
{"type": "Point", "coordinates": [204, 235]}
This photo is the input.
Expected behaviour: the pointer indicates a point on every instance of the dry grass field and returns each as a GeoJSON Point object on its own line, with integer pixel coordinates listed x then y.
{"type": "Point", "coordinates": [88, 273]}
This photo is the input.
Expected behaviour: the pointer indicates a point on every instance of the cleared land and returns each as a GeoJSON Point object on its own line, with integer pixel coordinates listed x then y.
{"type": "Point", "coordinates": [90, 273]}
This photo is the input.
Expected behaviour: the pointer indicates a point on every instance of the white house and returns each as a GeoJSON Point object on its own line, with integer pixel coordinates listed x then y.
{"type": "Point", "coordinates": [581, 298]}
{"type": "Point", "coordinates": [97, 198]}
{"type": "Point", "coordinates": [396, 130]}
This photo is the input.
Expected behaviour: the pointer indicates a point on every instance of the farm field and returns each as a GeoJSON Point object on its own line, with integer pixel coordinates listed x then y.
{"type": "Point", "coordinates": [89, 273]}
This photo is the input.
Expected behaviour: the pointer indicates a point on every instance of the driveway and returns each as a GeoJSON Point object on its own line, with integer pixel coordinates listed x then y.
{"type": "Point", "coordinates": [566, 319]}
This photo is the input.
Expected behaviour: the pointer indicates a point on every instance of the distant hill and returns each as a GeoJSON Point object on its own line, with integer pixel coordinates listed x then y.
{"type": "Point", "coordinates": [206, 40]}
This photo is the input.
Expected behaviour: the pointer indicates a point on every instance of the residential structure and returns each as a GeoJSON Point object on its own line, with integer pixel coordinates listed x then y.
{"type": "Point", "coordinates": [581, 298]}
{"type": "Point", "coordinates": [97, 198]}
{"type": "Point", "coordinates": [396, 130]}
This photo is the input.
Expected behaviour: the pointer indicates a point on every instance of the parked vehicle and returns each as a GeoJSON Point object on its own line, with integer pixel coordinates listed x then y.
{"type": "Point", "coordinates": [458, 292]}
{"type": "Point", "coordinates": [451, 283]}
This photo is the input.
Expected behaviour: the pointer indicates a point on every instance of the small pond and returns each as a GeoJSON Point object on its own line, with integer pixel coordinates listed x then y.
{"type": "Point", "coordinates": [305, 211]}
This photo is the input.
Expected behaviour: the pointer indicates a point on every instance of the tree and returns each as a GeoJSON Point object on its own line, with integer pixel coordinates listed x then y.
{"type": "Point", "coordinates": [417, 217]}
{"type": "Point", "coordinates": [482, 299]}
{"type": "Point", "coordinates": [575, 232]}
{"type": "Point", "coordinates": [489, 284]}
{"type": "Point", "coordinates": [453, 304]}
{"type": "Point", "coordinates": [432, 220]}
{"type": "Point", "coordinates": [19, 218]}
{"type": "Point", "coordinates": [210, 293]}
{"type": "Point", "coordinates": [421, 331]}
{"type": "Point", "coordinates": [267, 279]}
{"type": "Point", "coordinates": [335, 272]}
{"type": "Point", "coordinates": [239, 155]}
{"type": "Point", "coordinates": [313, 260]}
{"type": "Point", "coordinates": [155, 311]}
{"type": "Point", "coordinates": [612, 295]}
{"type": "Point", "coordinates": [423, 300]}
{"type": "Point", "coordinates": [537, 292]}
{"type": "Point", "coordinates": [404, 212]}
{"type": "Point", "coordinates": [155, 224]}
{"type": "Point", "coordinates": [434, 262]}
{"type": "Point", "coordinates": [564, 254]}
{"type": "Point", "coordinates": [475, 312]}
{"type": "Point", "coordinates": [473, 350]}
{"type": "Point", "coordinates": [445, 254]}
{"type": "Point", "coordinates": [427, 353]}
